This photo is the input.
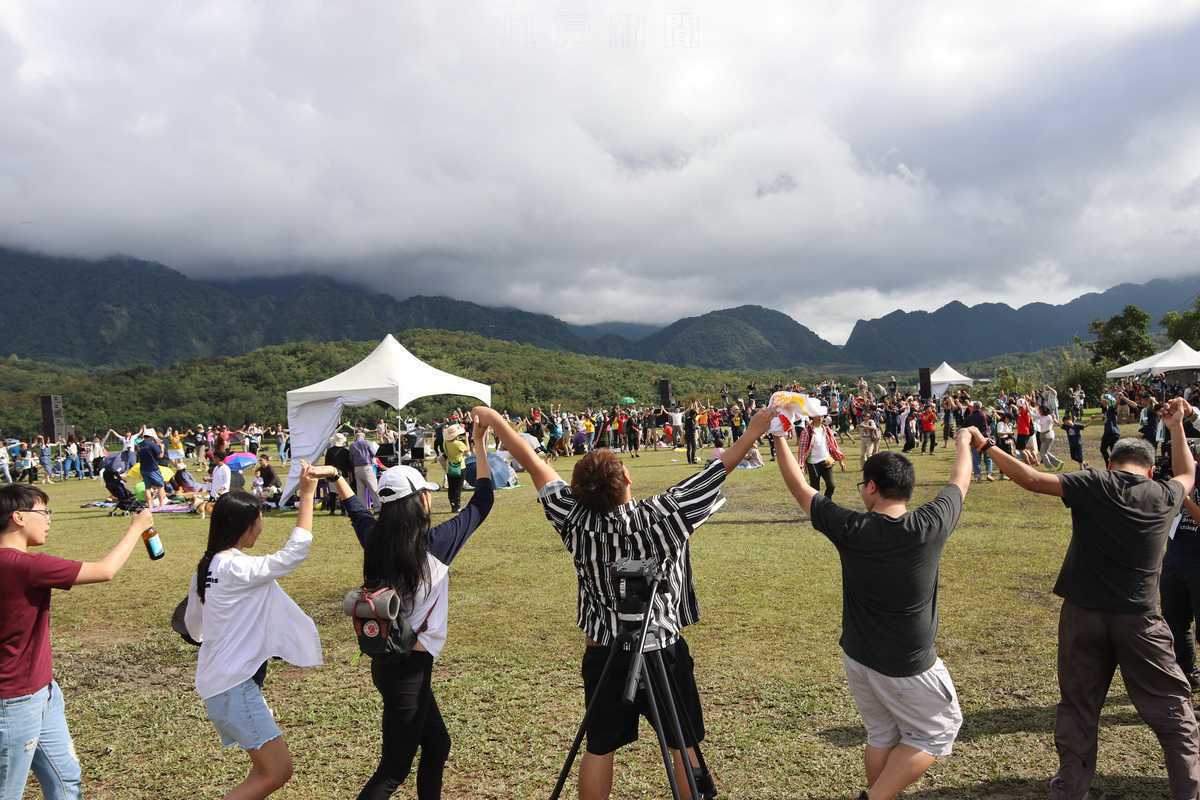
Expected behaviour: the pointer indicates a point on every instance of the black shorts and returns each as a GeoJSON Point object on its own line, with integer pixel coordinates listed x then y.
{"type": "Point", "coordinates": [1023, 440]}
{"type": "Point", "coordinates": [614, 724]}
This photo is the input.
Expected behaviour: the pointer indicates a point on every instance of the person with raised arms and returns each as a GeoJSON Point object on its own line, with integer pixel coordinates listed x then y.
{"type": "Point", "coordinates": [600, 523]}
{"type": "Point", "coordinates": [890, 559]}
{"type": "Point", "coordinates": [404, 553]}
{"type": "Point", "coordinates": [243, 618]}
{"type": "Point", "coordinates": [1120, 520]}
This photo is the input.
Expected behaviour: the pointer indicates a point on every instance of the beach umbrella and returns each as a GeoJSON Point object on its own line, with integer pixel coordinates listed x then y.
{"type": "Point", "coordinates": [240, 461]}
{"type": "Point", "coordinates": [628, 400]}
{"type": "Point", "coordinates": [136, 472]}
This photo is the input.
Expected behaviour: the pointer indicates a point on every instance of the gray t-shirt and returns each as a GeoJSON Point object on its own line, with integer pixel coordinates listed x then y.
{"type": "Point", "coordinates": [889, 579]}
{"type": "Point", "coordinates": [1119, 527]}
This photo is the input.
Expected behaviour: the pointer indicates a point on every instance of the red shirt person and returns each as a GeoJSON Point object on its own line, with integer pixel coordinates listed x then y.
{"type": "Point", "coordinates": [34, 709]}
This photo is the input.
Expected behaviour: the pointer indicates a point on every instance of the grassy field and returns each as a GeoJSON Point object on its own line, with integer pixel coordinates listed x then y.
{"type": "Point", "coordinates": [780, 721]}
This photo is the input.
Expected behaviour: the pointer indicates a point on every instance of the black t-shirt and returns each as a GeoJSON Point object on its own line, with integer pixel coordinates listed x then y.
{"type": "Point", "coordinates": [889, 580]}
{"type": "Point", "coordinates": [1183, 549]}
{"type": "Point", "coordinates": [269, 478]}
{"type": "Point", "coordinates": [1119, 526]}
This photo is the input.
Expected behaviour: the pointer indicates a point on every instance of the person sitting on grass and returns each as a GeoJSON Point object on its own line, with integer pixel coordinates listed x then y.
{"type": "Point", "coordinates": [1120, 520]}
{"type": "Point", "coordinates": [403, 552]}
{"type": "Point", "coordinates": [599, 523]}
{"type": "Point", "coordinates": [890, 557]}
{"type": "Point", "coordinates": [242, 618]}
{"type": "Point", "coordinates": [33, 721]}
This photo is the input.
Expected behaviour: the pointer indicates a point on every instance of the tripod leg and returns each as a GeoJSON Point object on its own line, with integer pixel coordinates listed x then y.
{"type": "Point", "coordinates": [587, 715]}
{"type": "Point", "coordinates": [708, 788]}
{"type": "Point", "coordinates": [656, 723]}
{"type": "Point", "coordinates": [664, 685]}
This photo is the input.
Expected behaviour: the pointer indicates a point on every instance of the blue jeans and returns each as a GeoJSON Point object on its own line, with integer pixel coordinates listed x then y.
{"type": "Point", "coordinates": [33, 733]}
{"type": "Point", "coordinates": [70, 463]}
{"type": "Point", "coordinates": [976, 457]}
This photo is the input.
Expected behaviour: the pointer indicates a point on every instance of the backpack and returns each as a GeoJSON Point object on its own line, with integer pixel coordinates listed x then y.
{"type": "Point", "coordinates": [382, 631]}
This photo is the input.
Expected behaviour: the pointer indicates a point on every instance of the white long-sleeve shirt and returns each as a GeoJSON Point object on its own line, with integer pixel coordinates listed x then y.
{"type": "Point", "coordinates": [221, 478]}
{"type": "Point", "coordinates": [246, 618]}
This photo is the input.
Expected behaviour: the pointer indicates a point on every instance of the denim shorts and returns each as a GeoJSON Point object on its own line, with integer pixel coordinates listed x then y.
{"type": "Point", "coordinates": [241, 716]}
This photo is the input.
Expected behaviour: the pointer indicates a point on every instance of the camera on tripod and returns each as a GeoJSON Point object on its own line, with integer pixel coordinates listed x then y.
{"type": "Point", "coordinates": [636, 579]}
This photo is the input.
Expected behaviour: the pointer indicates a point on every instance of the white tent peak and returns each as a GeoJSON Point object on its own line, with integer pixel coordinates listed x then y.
{"type": "Point", "coordinates": [948, 374]}
{"type": "Point", "coordinates": [389, 374]}
{"type": "Point", "coordinates": [1179, 357]}
{"type": "Point", "coordinates": [392, 375]}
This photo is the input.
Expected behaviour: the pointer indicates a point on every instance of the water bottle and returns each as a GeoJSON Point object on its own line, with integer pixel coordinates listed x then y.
{"type": "Point", "coordinates": [154, 546]}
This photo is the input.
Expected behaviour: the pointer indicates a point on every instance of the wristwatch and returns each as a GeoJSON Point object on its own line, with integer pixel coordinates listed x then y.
{"type": "Point", "coordinates": [990, 443]}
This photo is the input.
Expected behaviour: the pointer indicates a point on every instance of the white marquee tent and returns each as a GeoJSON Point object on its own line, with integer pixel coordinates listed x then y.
{"type": "Point", "coordinates": [1179, 357]}
{"type": "Point", "coordinates": [390, 374]}
{"type": "Point", "coordinates": [946, 376]}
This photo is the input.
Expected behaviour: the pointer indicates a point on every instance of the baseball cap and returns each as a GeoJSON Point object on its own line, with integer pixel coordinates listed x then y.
{"type": "Point", "coordinates": [400, 482]}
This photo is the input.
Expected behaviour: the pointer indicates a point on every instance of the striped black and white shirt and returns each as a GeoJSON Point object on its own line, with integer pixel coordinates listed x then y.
{"type": "Point", "coordinates": [658, 527]}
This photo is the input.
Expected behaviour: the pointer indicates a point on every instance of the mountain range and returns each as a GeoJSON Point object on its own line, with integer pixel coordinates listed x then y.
{"type": "Point", "coordinates": [123, 311]}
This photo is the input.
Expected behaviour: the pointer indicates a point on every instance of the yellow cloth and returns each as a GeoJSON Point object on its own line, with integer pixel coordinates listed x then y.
{"type": "Point", "coordinates": [456, 452]}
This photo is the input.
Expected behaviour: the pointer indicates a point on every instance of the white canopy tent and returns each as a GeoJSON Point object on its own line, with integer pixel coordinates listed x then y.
{"type": "Point", "coordinates": [390, 374]}
{"type": "Point", "coordinates": [946, 376]}
{"type": "Point", "coordinates": [1179, 357]}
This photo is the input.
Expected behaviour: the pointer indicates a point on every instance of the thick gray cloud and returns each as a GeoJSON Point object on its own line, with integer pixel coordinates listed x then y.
{"type": "Point", "coordinates": [639, 161]}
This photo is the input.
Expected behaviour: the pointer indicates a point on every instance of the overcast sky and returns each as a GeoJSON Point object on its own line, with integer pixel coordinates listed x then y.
{"type": "Point", "coordinates": [612, 161]}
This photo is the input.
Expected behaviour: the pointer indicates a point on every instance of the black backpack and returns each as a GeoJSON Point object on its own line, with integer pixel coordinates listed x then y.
{"type": "Point", "coordinates": [381, 628]}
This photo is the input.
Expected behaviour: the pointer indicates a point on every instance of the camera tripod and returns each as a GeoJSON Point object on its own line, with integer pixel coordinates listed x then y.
{"type": "Point", "coordinates": [648, 673]}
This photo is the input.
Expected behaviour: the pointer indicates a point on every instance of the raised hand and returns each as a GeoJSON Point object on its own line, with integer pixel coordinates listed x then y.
{"type": "Point", "coordinates": [1175, 411]}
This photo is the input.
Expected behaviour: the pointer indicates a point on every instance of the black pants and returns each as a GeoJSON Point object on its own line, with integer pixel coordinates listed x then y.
{"type": "Point", "coordinates": [454, 491]}
{"type": "Point", "coordinates": [928, 438]}
{"type": "Point", "coordinates": [818, 472]}
{"type": "Point", "coordinates": [1106, 446]}
{"type": "Point", "coordinates": [1179, 592]}
{"type": "Point", "coordinates": [1091, 645]}
{"type": "Point", "coordinates": [411, 719]}
{"type": "Point", "coordinates": [690, 437]}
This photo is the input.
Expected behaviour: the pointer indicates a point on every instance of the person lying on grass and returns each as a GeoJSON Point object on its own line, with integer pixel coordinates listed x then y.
{"type": "Point", "coordinates": [33, 721]}
{"type": "Point", "coordinates": [890, 557]}
{"type": "Point", "coordinates": [599, 523]}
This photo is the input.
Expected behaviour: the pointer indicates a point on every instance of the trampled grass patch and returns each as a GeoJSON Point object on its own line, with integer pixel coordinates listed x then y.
{"type": "Point", "coordinates": [780, 721]}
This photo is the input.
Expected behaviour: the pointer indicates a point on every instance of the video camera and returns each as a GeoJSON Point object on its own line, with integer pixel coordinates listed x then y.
{"type": "Point", "coordinates": [636, 579]}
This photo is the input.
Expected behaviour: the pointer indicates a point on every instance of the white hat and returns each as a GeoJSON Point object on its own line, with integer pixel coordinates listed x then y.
{"type": "Point", "coordinates": [400, 482]}
{"type": "Point", "coordinates": [339, 440]}
{"type": "Point", "coordinates": [453, 431]}
{"type": "Point", "coordinates": [149, 434]}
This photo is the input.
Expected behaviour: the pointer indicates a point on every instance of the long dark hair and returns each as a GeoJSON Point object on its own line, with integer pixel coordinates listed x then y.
{"type": "Point", "coordinates": [232, 516]}
{"type": "Point", "coordinates": [396, 552]}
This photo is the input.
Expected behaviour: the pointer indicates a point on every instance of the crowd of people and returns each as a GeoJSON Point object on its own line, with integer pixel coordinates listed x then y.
{"type": "Point", "coordinates": [1124, 517]}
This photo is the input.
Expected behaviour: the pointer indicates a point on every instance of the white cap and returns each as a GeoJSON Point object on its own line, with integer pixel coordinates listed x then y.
{"type": "Point", "coordinates": [400, 482]}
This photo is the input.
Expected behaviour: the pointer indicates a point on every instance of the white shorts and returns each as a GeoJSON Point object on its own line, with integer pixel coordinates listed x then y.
{"type": "Point", "coordinates": [920, 711]}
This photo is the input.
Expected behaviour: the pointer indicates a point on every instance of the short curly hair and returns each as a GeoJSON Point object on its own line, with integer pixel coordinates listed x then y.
{"type": "Point", "coordinates": [598, 481]}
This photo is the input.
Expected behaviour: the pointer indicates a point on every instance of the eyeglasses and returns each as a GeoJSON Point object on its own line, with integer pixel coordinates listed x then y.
{"type": "Point", "coordinates": [45, 511]}
{"type": "Point", "coordinates": [862, 484]}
